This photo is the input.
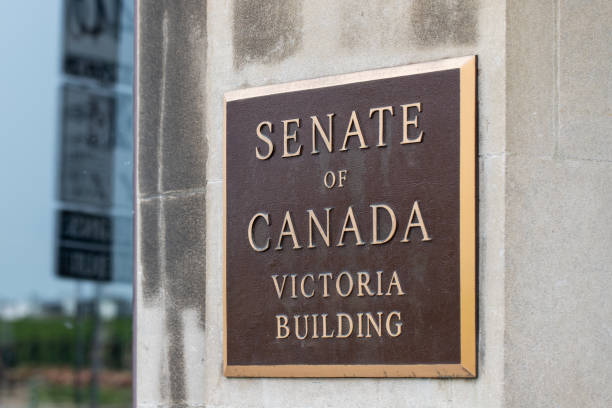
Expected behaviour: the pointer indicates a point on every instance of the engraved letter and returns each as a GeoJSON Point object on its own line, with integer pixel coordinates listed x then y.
{"type": "Point", "coordinates": [416, 211]}
{"type": "Point", "coordinates": [360, 325]}
{"type": "Point", "coordinates": [325, 335]}
{"type": "Point", "coordinates": [357, 132]}
{"type": "Point", "coordinates": [363, 280]}
{"type": "Point", "coordinates": [350, 216]}
{"type": "Point", "coordinates": [287, 222]}
{"type": "Point", "coordinates": [251, 240]}
{"type": "Point", "coordinates": [314, 326]}
{"type": "Point", "coordinates": [381, 122]}
{"type": "Point", "coordinates": [398, 325]}
{"type": "Point", "coordinates": [414, 123]}
{"type": "Point", "coordinates": [282, 325]}
{"type": "Point", "coordinates": [379, 279]}
{"type": "Point", "coordinates": [287, 137]}
{"type": "Point", "coordinates": [265, 139]}
{"type": "Point", "coordinates": [326, 276]}
{"type": "Point", "coordinates": [329, 183]}
{"type": "Point", "coordinates": [341, 177]}
{"type": "Point", "coordinates": [339, 287]}
{"type": "Point", "coordinates": [324, 234]}
{"type": "Point", "coordinates": [342, 316]}
{"type": "Point", "coordinates": [297, 327]}
{"type": "Point", "coordinates": [279, 290]}
{"type": "Point", "coordinates": [375, 240]}
{"type": "Point", "coordinates": [311, 294]}
{"type": "Point", "coordinates": [316, 125]}
{"type": "Point", "coordinates": [395, 282]}
{"type": "Point", "coordinates": [372, 322]}
{"type": "Point", "coordinates": [293, 295]}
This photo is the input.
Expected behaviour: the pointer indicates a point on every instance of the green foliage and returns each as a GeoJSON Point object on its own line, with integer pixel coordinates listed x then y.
{"type": "Point", "coordinates": [118, 344]}
{"type": "Point", "coordinates": [53, 341]}
{"type": "Point", "coordinates": [62, 394]}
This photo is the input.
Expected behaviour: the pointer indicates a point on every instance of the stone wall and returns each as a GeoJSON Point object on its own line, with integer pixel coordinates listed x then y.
{"type": "Point", "coordinates": [558, 325]}
{"type": "Point", "coordinates": [545, 172]}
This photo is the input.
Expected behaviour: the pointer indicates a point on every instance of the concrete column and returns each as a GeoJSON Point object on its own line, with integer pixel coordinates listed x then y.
{"type": "Point", "coordinates": [544, 178]}
{"type": "Point", "coordinates": [558, 323]}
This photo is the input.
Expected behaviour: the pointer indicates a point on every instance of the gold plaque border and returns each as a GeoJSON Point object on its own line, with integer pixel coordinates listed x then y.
{"type": "Point", "coordinates": [467, 368]}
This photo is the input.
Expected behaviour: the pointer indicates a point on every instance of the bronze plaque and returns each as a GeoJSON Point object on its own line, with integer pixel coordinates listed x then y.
{"type": "Point", "coordinates": [350, 225]}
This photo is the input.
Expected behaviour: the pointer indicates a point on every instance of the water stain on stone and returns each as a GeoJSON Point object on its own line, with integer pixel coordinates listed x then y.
{"type": "Point", "coordinates": [150, 40]}
{"type": "Point", "coordinates": [183, 129]}
{"type": "Point", "coordinates": [176, 358]}
{"type": "Point", "coordinates": [266, 31]}
{"type": "Point", "coordinates": [183, 277]}
{"type": "Point", "coordinates": [185, 253]}
{"type": "Point", "coordinates": [398, 24]}
{"type": "Point", "coordinates": [172, 153]}
{"type": "Point", "coordinates": [171, 55]}
{"type": "Point", "coordinates": [375, 25]}
{"type": "Point", "coordinates": [439, 22]}
{"type": "Point", "coordinates": [172, 94]}
{"type": "Point", "coordinates": [149, 250]}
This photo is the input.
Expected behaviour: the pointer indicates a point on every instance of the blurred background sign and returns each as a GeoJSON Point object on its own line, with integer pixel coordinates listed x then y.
{"type": "Point", "coordinates": [94, 246]}
{"type": "Point", "coordinates": [96, 147]}
{"type": "Point", "coordinates": [87, 139]}
{"type": "Point", "coordinates": [91, 39]}
{"type": "Point", "coordinates": [85, 246]}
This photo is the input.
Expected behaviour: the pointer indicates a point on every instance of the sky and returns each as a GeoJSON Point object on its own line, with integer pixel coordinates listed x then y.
{"type": "Point", "coordinates": [30, 78]}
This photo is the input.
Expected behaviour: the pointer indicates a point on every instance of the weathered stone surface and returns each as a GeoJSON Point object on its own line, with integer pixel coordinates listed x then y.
{"type": "Point", "coordinates": [558, 347]}
{"type": "Point", "coordinates": [149, 251]}
{"type": "Point", "coordinates": [544, 116]}
{"type": "Point", "coordinates": [444, 22]}
{"type": "Point", "coordinates": [585, 80]}
{"type": "Point", "coordinates": [267, 32]}
{"type": "Point", "coordinates": [531, 78]}
{"type": "Point", "coordinates": [171, 96]}
{"type": "Point", "coordinates": [558, 341]}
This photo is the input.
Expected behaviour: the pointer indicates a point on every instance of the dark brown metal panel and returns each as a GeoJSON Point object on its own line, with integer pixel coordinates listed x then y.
{"type": "Point", "coordinates": [396, 175]}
